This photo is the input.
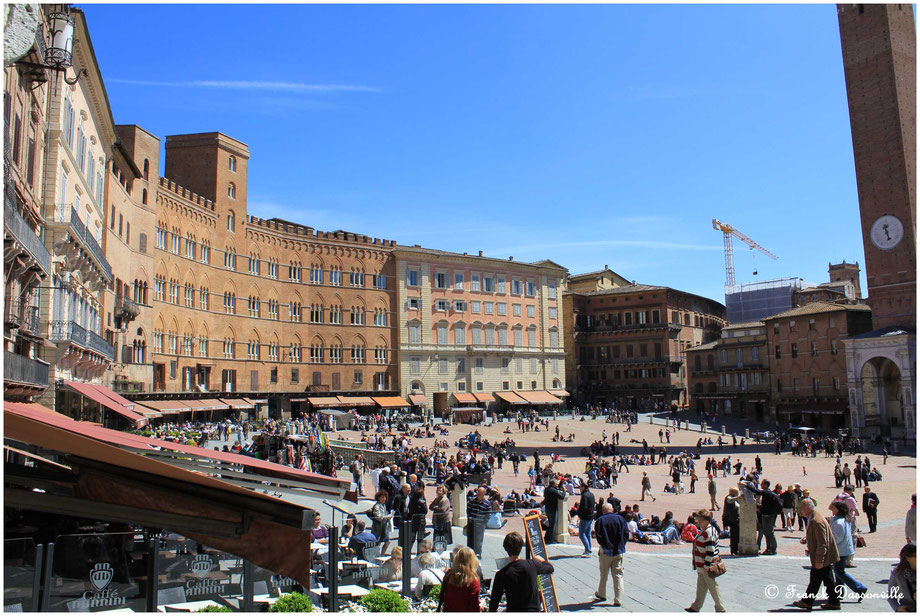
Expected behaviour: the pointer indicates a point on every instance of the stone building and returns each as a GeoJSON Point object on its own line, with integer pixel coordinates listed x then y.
{"type": "Point", "coordinates": [471, 325]}
{"type": "Point", "coordinates": [81, 138]}
{"type": "Point", "coordinates": [628, 343]}
{"type": "Point", "coordinates": [808, 365]}
{"type": "Point", "coordinates": [879, 44]}
{"type": "Point", "coordinates": [26, 260]}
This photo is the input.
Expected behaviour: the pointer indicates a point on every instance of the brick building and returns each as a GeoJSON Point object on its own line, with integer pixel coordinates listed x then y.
{"type": "Point", "coordinates": [471, 326]}
{"type": "Point", "coordinates": [878, 43]}
{"type": "Point", "coordinates": [629, 343]}
{"type": "Point", "coordinates": [808, 369]}
{"type": "Point", "coordinates": [731, 376]}
{"type": "Point", "coordinates": [261, 306]}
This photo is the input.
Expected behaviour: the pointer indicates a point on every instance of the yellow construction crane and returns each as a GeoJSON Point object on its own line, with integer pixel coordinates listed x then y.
{"type": "Point", "coordinates": [727, 232]}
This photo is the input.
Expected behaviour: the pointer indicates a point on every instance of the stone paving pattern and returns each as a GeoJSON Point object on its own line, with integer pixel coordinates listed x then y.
{"type": "Point", "coordinates": [661, 577]}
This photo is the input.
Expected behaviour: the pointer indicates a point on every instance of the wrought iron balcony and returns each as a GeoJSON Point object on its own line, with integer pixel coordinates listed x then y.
{"type": "Point", "coordinates": [16, 226]}
{"type": "Point", "coordinates": [63, 331]}
{"type": "Point", "coordinates": [22, 369]}
{"type": "Point", "coordinates": [64, 213]}
{"type": "Point", "coordinates": [12, 314]}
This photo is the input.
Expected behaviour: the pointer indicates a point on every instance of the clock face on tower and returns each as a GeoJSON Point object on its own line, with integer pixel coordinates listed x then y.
{"type": "Point", "coordinates": [886, 232]}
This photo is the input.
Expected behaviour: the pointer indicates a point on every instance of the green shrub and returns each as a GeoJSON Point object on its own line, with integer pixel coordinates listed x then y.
{"type": "Point", "coordinates": [435, 592]}
{"type": "Point", "coordinates": [214, 608]}
{"type": "Point", "coordinates": [384, 601]}
{"type": "Point", "coordinates": [292, 602]}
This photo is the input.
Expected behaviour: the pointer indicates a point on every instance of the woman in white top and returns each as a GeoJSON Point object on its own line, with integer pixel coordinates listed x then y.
{"type": "Point", "coordinates": [429, 575]}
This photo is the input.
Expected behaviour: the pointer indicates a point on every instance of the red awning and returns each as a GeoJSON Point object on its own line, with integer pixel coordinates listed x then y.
{"type": "Point", "coordinates": [318, 401]}
{"type": "Point", "coordinates": [167, 407]}
{"type": "Point", "coordinates": [124, 486]}
{"type": "Point", "coordinates": [464, 398]}
{"type": "Point", "coordinates": [418, 399]}
{"type": "Point", "coordinates": [128, 404]}
{"type": "Point", "coordinates": [89, 391]}
{"type": "Point", "coordinates": [483, 397]}
{"type": "Point", "coordinates": [236, 403]}
{"type": "Point", "coordinates": [143, 443]}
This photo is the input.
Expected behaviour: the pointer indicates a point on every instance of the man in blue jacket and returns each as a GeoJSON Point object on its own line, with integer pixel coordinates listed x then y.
{"type": "Point", "coordinates": [612, 535]}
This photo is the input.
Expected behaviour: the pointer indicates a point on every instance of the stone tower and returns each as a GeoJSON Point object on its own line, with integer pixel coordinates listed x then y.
{"type": "Point", "coordinates": [879, 61]}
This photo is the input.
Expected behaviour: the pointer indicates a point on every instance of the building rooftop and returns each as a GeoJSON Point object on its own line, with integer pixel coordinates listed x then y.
{"type": "Point", "coordinates": [479, 257]}
{"type": "Point", "coordinates": [633, 288]}
{"type": "Point", "coordinates": [705, 347]}
{"type": "Point", "coordinates": [586, 275]}
{"type": "Point", "coordinates": [818, 308]}
{"type": "Point", "coordinates": [745, 325]}
{"type": "Point", "coordinates": [891, 330]}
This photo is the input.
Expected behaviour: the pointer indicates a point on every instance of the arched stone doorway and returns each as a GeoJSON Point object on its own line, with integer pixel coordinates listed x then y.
{"type": "Point", "coordinates": [880, 380]}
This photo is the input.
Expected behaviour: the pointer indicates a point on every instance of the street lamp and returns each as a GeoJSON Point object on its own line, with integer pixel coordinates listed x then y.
{"type": "Point", "coordinates": [59, 56]}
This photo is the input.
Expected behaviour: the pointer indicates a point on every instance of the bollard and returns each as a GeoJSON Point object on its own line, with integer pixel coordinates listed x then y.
{"type": "Point", "coordinates": [703, 427]}
{"type": "Point", "coordinates": [723, 429]}
{"type": "Point", "coordinates": [747, 433]}
{"type": "Point", "coordinates": [651, 420]}
{"type": "Point", "coordinates": [407, 557]}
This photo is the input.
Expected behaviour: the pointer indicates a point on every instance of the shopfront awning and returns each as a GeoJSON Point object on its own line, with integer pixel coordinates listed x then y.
{"type": "Point", "coordinates": [538, 397]}
{"type": "Point", "coordinates": [128, 404]}
{"type": "Point", "coordinates": [510, 398]}
{"type": "Point", "coordinates": [390, 402]}
{"type": "Point", "coordinates": [212, 404]}
{"type": "Point", "coordinates": [103, 477]}
{"type": "Point", "coordinates": [237, 403]}
{"type": "Point", "coordinates": [484, 398]}
{"type": "Point", "coordinates": [418, 399]}
{"type": "Point", "coordinates": [465, 398]}
{"type": "Point", "coordinates": [560, 393]}
{"type": "Point", "coordinates": [167, 407]}
{"type": "Point", "coordinates": [88, 391]}
{"type": "Point", "coordinates": [356, 401]}
{"type": "Point", "coordinates": [324, 402]}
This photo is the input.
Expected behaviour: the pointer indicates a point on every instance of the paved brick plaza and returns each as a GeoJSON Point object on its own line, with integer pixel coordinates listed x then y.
{"type": "Point", "coordinates": [659, 577]}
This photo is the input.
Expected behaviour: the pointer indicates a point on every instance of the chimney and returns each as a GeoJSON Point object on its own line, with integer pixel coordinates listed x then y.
{"type": "Point", "coordinates": [511, 258]}
{"type": "Point", "coordinates": [606, 267]}
{"type": "Point", "coordinates": [480, 253]}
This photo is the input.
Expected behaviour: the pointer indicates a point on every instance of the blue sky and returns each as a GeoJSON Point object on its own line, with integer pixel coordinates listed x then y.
{"type": "Point", "coordinates": [588, 135]}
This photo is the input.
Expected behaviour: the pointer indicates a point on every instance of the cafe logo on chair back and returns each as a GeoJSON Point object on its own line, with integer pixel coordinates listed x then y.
{"type": "Point", "coordinates": [202, 565]}
{"type": "Point", "coordinates": [100, 576]}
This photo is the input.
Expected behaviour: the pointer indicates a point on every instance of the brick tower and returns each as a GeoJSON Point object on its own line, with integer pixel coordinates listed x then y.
{"type": "Point", "coordinates": [838, 272]}
{"type": "Point", "coordinates": [879, 61]}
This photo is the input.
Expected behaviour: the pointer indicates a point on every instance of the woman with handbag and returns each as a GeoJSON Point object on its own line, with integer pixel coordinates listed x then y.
{"type": "Point", "coordinates": [440, 516]}
{"type": "Point", "coordinates": [706, 562]}
{"type": "Point", "coordinates": [380, 520]}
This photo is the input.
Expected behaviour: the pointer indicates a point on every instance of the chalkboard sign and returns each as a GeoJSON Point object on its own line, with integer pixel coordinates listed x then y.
{"type": "Point", "coordinates": [537, 547]}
